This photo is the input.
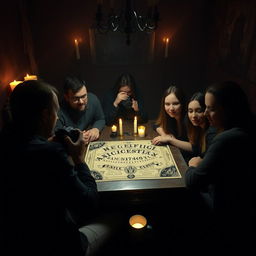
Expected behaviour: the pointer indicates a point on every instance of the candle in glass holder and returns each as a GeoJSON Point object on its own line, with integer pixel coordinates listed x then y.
{"type": "Point", "coordinates": [14, 83]}
{"type": "Point", "coordinates": [141, 131]}
{"type": "Point", "coordinates": [30, 77]}
{"type": "Point", "coordinates": [135, 128]}
{"type": "Point", "coordinates": [114, 128]}
{"type": "Point", "coordinates": [120, 127]}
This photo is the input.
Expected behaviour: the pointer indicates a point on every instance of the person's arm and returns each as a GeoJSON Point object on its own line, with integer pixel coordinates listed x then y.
{"type": "Point", "coordinates": [110, 110]}
{"type": "Point", "coordinates": [170, 139]}
{"type": "Point", "coordinates": [60, 121]}
{"type": "Point", "coordinates": [200, 173]}
{"type": "Point", "coordinates": [79, 187]}
{"type": "Point", "coordinates": [184, 145]}
{"type": "Point", "coordinates": [160, 131]}
{"type": "Point", "coordinates": [99, 118]}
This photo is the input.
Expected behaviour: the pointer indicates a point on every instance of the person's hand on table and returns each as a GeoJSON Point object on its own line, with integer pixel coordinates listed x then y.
{"type": "Point", "coordinates": [195, 161]}
{"type": "Point", "coordinates": [91, 135]}
{"type": "Point", "coordinates": [162, 139]}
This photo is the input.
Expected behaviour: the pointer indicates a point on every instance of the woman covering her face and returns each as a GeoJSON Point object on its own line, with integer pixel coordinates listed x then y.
{"type": "Point", "coordinates": [124, 101]}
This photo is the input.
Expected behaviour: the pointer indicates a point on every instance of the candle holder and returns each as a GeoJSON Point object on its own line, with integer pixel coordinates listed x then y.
{"type": "Point", "coordinates": [142, 131]}
{"type": "Point", "coordinates": [113, 134]}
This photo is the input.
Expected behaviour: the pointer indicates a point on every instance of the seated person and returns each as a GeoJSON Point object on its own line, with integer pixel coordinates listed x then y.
{"type": "Point", "coordinates": [198, 130]}
{"type": "Point", "coordinates": [225, 176]}
{"type": "Point", "coordinates": [81, 110]}
{"type": "Point", "coordinates": [46, 182]}
{"type": "Point", "coordinates": [124, 101]}
{"type": "Point", "coordinates": [171, 120]}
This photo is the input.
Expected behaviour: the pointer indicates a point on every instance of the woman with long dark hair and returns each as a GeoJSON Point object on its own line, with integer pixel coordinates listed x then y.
{"type": "Point", "coordinates": [124, 101]}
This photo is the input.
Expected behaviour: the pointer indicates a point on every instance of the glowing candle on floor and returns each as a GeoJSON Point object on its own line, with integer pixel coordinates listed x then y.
{"type": "Point", "coordinates": [30, 77]}
{"type": "Point", "coordinates": [138, 221]}
{"type": "Point", "coordinates": [135, 125]}
{"type": "Point", "coordinates": [77, 50]}
{"type": "Point", "coordinates": [141, 131]}
{"type": "Point", "coordinates": [14, 83]}
{"type": "Point", "coordinates": [114, 128]}
{"type": "Point", "coordinates": [120, 127]}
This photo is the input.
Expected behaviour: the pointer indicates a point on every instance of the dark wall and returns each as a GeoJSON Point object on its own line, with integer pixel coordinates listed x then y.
{"type": "Point", "coordinates": [55, 26]}
{"type": "Point", "coordinates": [232, 45]}
{"type": "Point", "coordinates": [51, 52]}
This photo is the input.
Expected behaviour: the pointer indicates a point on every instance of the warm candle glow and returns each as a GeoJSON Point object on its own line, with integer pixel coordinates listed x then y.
{"type": "Point", "coordinates": [120, 127]}
{"type": "Point", "coordinates": [77, 50]}
{"type": "Point", "coordinates": [141, 131]}
{"type": "Point", "coordinates": [138, 221]}
{"type": "Point", "coordinates": [30, 77]}
{"type": "Point", "coordinates": [135, 128]}
{"type": "Point", "coordinates": [14, 83]}
{"type": "Point", "coordinates": [114, 128]}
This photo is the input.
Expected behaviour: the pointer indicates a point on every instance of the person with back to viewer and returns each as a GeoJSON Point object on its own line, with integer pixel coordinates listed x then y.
{"type": "Point", "coordinates": [124, 101]}
{"type": "Point", "coordinates": [44, 181]}
{"type": "Point", "coordinates": [80, 109]}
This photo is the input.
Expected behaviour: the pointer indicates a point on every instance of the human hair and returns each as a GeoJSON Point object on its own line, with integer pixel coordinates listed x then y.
{"type": "Point", "coordinates": [27, 101]}
{"type": "Point", "coordinates": [234, 103]}
{"type": "Point", "coordinates": [125, 79]}
{"type": "Point", "coordinates": [168, 123]}
{"type": "Point", "coordinates": [196, 134]}
{"type": "Point", "coordinates": [73, 83]}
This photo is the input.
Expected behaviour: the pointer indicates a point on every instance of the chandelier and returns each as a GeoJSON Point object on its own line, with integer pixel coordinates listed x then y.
{"type": "Point", "coordinates": [127, 20]}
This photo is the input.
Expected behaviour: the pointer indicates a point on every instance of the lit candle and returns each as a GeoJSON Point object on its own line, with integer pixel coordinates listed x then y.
{"type": "Point", "coordinates": [166, 47]}
{"type": "Point", "coordinates": [141, 131]}
{"type": "Point", "coordinates": [30, 77]}
{"type": "Point", "coordinates": [120, 127]}
{"type": "Point", "coordinates": [14, 83]}
{"type": "Point", "coordinates": [77, 50]}
{"type": "Point", "coordinates": [138, 221]}
{"type": "Point", "coordinates": [135, 125]}
{"type": "Point", "coordinates": [114, 128]}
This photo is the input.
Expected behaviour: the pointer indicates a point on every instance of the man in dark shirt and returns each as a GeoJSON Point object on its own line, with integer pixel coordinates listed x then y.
{"type": "Point", "coordinates": [81, 110]}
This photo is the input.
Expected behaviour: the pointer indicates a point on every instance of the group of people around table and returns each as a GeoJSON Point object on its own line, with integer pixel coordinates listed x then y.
{"type": "Point", "coordinates": [212, 130]}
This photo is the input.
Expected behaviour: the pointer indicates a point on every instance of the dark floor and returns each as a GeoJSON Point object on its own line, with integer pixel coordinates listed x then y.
{"type": "Point", "coordinates": [175, 227]}
{"type": "Point", "coordinates": [166, 232]}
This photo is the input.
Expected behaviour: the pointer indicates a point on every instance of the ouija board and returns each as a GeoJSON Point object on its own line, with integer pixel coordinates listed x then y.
{"type": "Point", "coordinates": [130, 160]}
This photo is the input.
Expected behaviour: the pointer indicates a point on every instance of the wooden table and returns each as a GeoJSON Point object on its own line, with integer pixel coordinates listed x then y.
{"type": "Point", "coordinates": [142, 185]}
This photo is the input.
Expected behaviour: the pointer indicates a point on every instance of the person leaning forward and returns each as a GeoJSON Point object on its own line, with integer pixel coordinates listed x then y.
{"type": "Point", "coordinates": [80, 109]}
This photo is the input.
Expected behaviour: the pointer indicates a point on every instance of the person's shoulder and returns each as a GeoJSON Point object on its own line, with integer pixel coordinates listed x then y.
{"type": "Point", "coordinates": [233, 134]}
{"type": "Point", "coordinates": [92, 96]}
